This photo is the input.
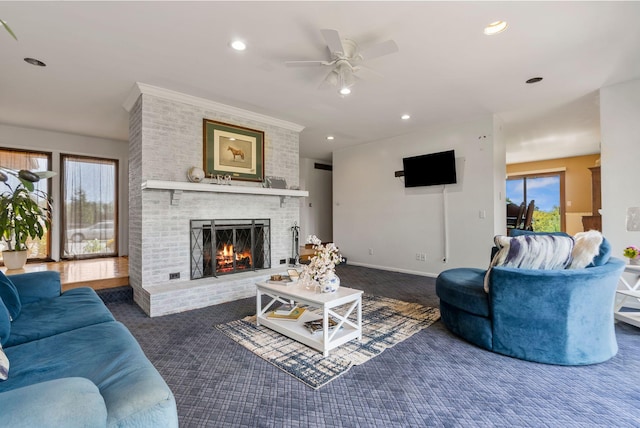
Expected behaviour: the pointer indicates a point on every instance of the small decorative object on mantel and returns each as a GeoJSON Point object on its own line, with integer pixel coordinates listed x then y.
{"type": "Point", "coordinates": [221, 179]}
{"type": "Point", "coordinates": [321, 270]}
{"type": "Point", "coordinates": [633, 254]}
{"type": "Point", "coordinates": [275, 183]}
{"type": "Point", "coordinates": [195, 174]}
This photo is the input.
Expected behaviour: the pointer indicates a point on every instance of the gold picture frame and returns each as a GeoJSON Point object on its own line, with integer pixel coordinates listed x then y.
{"type": "Point", "coordinates": [233, 150]}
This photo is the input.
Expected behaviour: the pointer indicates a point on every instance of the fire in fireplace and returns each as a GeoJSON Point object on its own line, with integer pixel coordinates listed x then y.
{"type": "Point", "coordinates": [220, 247]}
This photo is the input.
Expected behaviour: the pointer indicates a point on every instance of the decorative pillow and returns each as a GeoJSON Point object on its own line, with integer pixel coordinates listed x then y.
{"type": "Point", "coordinates": [587, 246]}
{"type": "Point", "coordinates": [520, 232]}
{"type": "Point", "coordinates": [4, 365]}
{"type": "Point", "coordinates": [531, 252]}
{"type": "Point", "coordinates": [604, 254]}
{"type": "Point", "coordinates": [5, 323]}
{"type": "Point", "coordinates": [9, 295]}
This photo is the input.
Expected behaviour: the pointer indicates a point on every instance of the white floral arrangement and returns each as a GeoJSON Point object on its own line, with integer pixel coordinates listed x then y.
{"type": "Point", "coordinates": [323, 264]}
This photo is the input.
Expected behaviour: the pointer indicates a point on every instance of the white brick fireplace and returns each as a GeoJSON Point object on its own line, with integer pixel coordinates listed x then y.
{"type": "Point", "coordinates": [165, 140]}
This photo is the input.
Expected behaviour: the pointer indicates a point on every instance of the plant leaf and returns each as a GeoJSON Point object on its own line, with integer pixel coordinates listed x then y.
{"type": "Point", "coordinates": [45, 174]}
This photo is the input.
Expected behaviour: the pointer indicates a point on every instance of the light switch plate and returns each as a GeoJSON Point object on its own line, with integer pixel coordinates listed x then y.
{"type": "Point", "coordinates": [633, 219]}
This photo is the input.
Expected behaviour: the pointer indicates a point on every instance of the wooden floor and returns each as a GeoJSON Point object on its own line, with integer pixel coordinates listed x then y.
{"type": "Point", "coordinates": [95, 273]}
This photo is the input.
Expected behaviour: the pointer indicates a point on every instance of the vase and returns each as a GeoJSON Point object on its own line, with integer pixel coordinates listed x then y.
{"type": "Point", "coordinates": [14, 259]}
{"type": "Point", "coordinates": [330, 284]}
{"type": "Point", "coordinates": [634, 261]}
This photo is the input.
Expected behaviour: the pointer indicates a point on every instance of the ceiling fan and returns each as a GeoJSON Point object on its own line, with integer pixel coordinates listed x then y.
{"type": "Point", "coordinates": [346, 58]}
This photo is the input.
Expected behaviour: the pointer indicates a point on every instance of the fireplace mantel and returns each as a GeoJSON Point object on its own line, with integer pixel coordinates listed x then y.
{"type": "Point", "coordinates": [177, 187]}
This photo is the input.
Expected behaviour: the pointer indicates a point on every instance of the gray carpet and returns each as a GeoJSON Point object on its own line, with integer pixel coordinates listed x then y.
{"type": "Point", "coordinates": [430, 379]}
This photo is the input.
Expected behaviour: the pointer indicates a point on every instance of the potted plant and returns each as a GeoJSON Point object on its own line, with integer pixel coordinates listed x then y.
{"type": "Point", "coordinates": [633, 254]}
{"type": "Point", "coordinates": [21, 217]}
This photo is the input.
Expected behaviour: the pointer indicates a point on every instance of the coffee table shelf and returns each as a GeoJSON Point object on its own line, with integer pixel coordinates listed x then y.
{"type": "Point", "coordinates": [343, 306]}
{"type": "Point", "coordinates": [630, 317]}
{"type": "Point", "coordinates": [629, 292]}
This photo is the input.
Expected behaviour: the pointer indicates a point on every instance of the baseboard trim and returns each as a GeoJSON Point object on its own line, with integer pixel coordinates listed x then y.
{"type": "Point", "coordinates": [394, 269]}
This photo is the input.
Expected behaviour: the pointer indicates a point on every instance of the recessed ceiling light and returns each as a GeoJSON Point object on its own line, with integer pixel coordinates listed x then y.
{"type": "Point", "coordinates": [495, 28]}
{"type": "Point", "coordinates": [534, 80]}
{"type": "Point", "coordinates": [345, 91]}
{"type": "Point", "coordinates": [330, 137]}
{"type": "Point", "coordinates": [405, 117]}
{"type": "Point", "coordinates": [238, 45]}
{"type": "Point", "coordinates": [36, 62]}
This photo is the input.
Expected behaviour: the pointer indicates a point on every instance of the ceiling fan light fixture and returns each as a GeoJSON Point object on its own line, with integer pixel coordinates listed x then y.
{"type": "Point", "coordinates": [238, 45]}
{"type": "Point", "coordinates": [345, 77]}
{"type": "Point", "coordinates": [495, 28]}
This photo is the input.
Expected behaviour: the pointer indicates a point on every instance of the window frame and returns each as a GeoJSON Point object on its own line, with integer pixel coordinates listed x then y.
{"type": "Point", "coordinates": [63, 230]}
{"type": "Point", "coordinates": [49, 157]}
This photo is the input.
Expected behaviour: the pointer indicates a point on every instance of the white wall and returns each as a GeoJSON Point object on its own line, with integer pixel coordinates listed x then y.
{"type": "Point", "coordinates": [373, 210]}
{"type": "Point", "coordinates": [316, 210]}
{"type": "Point", "coordinates": [58, 143]}
{"type": "Point", "coordinates": [620, 154]}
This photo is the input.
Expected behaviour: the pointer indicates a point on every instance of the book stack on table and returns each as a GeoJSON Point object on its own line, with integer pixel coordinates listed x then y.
{"type": "Point", "coordinates": [287, 313]}
{"type": "Point", "coordinates": [315, 326]}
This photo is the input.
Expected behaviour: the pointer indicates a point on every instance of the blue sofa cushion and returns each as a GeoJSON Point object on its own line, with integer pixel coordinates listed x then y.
{"type": "Point", "coordinates": [5, 323]}
{"type": "Point", "coordinates": [75, 308]}
{"type": "Point", "coordinates": [109, 356]}
{"type": "Point", "coordinates": [33, 286]}
{"type": "Point", "coordinates": [10, 296]}
{"type": "Point", "coordinates": [69, 402]}
{"type": "Point", "coordinates": [463, 288]}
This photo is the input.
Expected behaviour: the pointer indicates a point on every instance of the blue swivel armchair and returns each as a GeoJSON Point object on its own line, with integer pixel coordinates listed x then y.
{"type": "Point", "coordinates": [562, 317]}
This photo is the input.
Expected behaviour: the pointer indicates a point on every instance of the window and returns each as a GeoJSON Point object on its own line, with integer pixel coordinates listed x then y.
{"type": "Point", "coordinates": [15, 159]}
{"type": "Point", "coordinates": [547, 192]}
{"type": "Point", "coordinates": [89, 207]}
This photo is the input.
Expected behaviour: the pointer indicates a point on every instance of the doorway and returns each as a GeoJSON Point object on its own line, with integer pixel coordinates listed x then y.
{"type": "Point", "coordinates": [547, 192]}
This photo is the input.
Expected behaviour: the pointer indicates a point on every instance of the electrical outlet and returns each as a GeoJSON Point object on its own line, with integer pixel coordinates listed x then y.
{"type": "Point", "coordinates": [371, 251]}
{"type": "Point", "coordinates": [423, 257]}
{"type": "Point", "coordinates": [175, 275]}
{"type": "Point", "coordinates": [418, 256]}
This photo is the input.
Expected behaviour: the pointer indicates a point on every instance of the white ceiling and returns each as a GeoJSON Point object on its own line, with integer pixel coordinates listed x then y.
{"type": "Point", "coordinates": [446, 70]}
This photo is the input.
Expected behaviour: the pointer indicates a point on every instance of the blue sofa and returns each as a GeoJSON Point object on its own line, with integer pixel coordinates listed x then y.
{"type": "Point", "coordinates": [72, 364]}
{"type": "Point", "coordinates": [562, 317]}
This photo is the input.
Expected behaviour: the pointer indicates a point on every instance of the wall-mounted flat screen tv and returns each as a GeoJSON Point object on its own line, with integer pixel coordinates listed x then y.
{"type": "Point", "coordinates": [430, 170]}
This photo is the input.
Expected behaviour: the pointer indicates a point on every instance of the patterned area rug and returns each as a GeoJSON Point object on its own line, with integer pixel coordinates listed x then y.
{"type": "Point", "coordinates": [385, 322]}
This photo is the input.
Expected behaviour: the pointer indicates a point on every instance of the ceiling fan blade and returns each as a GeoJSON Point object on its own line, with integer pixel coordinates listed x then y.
{"type": "Point", "coordinates": [375, 51]}
{"type": "Point", "coordinates": [332, 37]}
{"type": "Point", "coordinates": [366, 73]}
{"type": "Point", "coordinates": [306, 63]}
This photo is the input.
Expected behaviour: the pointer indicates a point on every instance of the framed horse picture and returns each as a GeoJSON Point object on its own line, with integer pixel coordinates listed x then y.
{"type": "Point", "coordinates": [233, 150]}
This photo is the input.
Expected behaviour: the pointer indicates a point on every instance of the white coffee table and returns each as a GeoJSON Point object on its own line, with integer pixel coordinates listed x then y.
{"type": "Point", "coordinates": [344, 305]}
